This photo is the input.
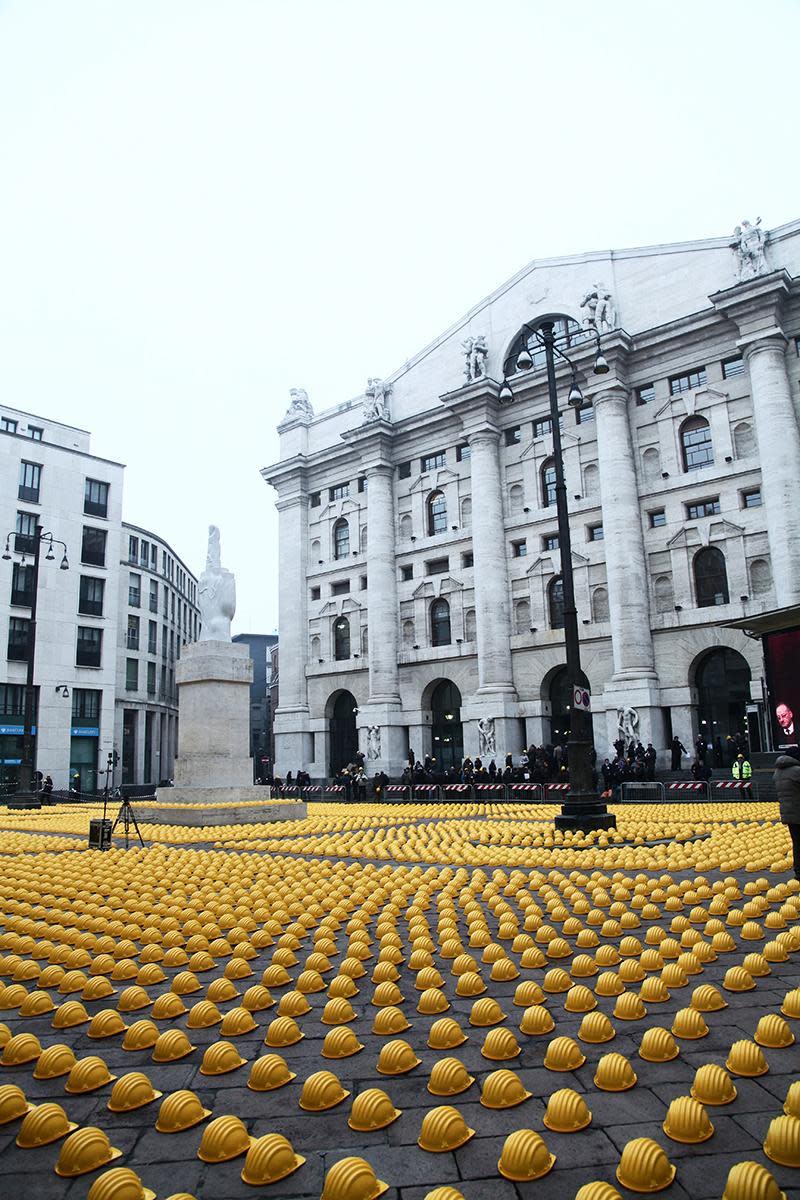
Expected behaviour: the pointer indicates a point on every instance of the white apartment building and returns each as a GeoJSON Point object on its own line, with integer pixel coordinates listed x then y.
{"type": "Point", "coordinates": [50, 480]}
{"type": "Point", "coordinates": [420, 576]}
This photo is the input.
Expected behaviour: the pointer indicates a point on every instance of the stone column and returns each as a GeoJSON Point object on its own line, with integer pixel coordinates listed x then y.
{"type": "Point", "coordinates": [492, 604]}
{"type": "Point", "coordinates": [634, 683]}
{"type": "Point", "coordinates": [291, 716]}
{"type": "Point", "coordinates": [779, 451]}
{"type": "Point", "coordinates": [626, 566]}
{"type": "Point", "coordinates": [382, 587]}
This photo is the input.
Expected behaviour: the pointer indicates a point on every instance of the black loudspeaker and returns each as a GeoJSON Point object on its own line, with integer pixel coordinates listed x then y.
{"type": "Point", "coordinates": [99, 834]}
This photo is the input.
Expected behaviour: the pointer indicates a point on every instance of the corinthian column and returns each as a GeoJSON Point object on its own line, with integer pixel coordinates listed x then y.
{"type": "Point", "coordinates": [492, 607]}
{"type": "Point", "coordinates": [382, 587]}
{"type": "Point", "coordinates": [626, 566]}
{"type": "Point", "coordinates": [779, 451]}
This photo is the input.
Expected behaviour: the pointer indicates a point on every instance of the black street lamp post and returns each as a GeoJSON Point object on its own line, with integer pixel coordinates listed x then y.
{"type": "Point", "coordinates": [582, 809]}
{"type": "Point", "coordinates": [28, 764]}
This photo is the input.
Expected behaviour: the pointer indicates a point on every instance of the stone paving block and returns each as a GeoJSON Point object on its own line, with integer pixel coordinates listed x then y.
{"type": "Point", "coordinates": [624, 1108]}
{"type": "Point", "coordinates": [728, 1137]}
{"type": "Point", "coordinates": [704, 1176]}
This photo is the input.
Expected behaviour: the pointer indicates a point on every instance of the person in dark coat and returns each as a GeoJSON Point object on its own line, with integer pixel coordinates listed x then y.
{"type": "Point", "coordinates": [677, 748]}
{"type": "Point", "coordinates": [650, 758]}
{"type": "Point", "coordinates": [787, 784]}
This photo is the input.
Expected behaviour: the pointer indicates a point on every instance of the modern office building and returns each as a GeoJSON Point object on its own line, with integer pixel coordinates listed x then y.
{"type": "Point", "coordinates": [50, 481]}
{"type": "Point", "coordinates": [260, 646]}
{"type": "Point", "coordinates": [420, 574]}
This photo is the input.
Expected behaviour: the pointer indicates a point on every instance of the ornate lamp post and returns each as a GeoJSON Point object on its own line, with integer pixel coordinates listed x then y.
{"type": "Point", "coordinates": [582, 808]}
{"type": "Point", "coordinates": [28, 764]}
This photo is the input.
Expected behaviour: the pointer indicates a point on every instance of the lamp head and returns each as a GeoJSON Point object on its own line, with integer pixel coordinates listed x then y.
{"type": "Point", "coordinates": [64, 565]}
{"type": "Point", "coordinates": [524, 360]}
{"type": "Point", "coordinates": [601, 366]}
{"type": "Point", "coordinates": [575, 398]}
{"type": "Point", "coordinates": [7, 552]}
{"type": "Point", "coordinates": [50, 556]}
{"type": "Point", "coordinates": [505, 396]}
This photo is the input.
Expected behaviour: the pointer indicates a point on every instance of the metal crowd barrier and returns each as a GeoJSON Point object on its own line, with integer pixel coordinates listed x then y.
{"type": "Point", "coordinates": [747, 788]}
{"type": "Point", "coordinates": [698, 785]}
{"type": "Point", "coordinates": [641, 791]}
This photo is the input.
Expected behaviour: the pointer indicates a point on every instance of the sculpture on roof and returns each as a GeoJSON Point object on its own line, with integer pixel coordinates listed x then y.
{"type": "Point", "coordinates": [216, 594]}
{"type": "Point", "coordinates": [475, 354]}
{"type": "Point", "coordinates": [300, 405]}
{"type": "Point", "coordinates": [749, 245]}
{"type": "Point", "coordinates": [601, 313]}
{"type": "Point", "coordinates": [376, 400]}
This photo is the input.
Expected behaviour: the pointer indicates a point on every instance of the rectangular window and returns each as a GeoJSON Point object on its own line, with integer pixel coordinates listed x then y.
{"type": "Point", "coordinates": [584, 415]}
{"type": "Point", "coordinates": [134, 589]}
{"type": "Point", "coordinates": [164, 632]}
{"type": "Point", "coordinates": [35, 433]}
{"type": "Point", "coordinates": [596, 533]}
{"type": "Point", "coordinates": [362, 583]}
{"type": "Point", "coordinates": [732, 367]}
{"type": "Point", "coordinates": [550, 541]}
{"type": "Point", "coordinates": [645, 393]}
{"type": "Point", "coordinates": [166, 601]}
{"type": "Point", "coordinates": [406, 572]}
{"type": "Point", "coordinates": [703, 508]}
{"type": "Point", "coordinates": [751, 498]}
{"type": "Point", "coordinates": [467, 559]}
{"type": "Point", "coordinates": [151, 679]}
{"type": "Point", "coordinates": [18, 638]}
{"type": "Point", "coordinates": [153, 557]}
{"type": "Point", "coordinates": [132, 641]}
{"type": "Point", "coordinates": [362, 484]}
{"type": "Point", "coordinates": [91, 595]}
{"type": "Point", "coordinates": [152, 637]}
{"type": "Point", "coordinates": [8, 425]}
{"type": "Point", "coordinates": [86, 705]}
{"type": "Point", "coordinates": [340, 492]}
{"type": "Point", "coordinates": [657, 518]}
{"type": "Point", "coordinates": [544, 425]}
{"type": "Point", "coordinates": [144, 553]}
{"type": "Point", "coordinates": [22, 585]}
{"type": "Point", "coordinates": [90, 647]}
{"type": "Point", "coordinates": [93, 547]}
{"type": "Point", "coordinates": [131, 674]}
{"type": "Point", "coordinates": [341, 588]}
{"type": "Point", "coordinates": [513, 435]}
{"type": "Point", "coordinates": [133, 549]}
{"type": "Point", "coordinates": [30, 479]}
{"type": "Point", "coordinates": [315, 593]}
{"type": "Point", "coordinates": [153, 596]}
{"type": "Point", "coordinates": [162, 685]}
{"type": "Point", "coordinates": [404, 470]}
{"type": "Point", "coordinates": [316, 499]}
{"type": "Point", "coordinates": [463, 452]}
{"type": "Point", "coordinates": [431, 462]}
{"type": "Point", "coordinates": [687, 382]}
{"type": "Point", "coordinates": [25, 538]}
{"type": "Point", "coordinates": [172, 605]}
{"type": "Point", "coordinates": [95, 498]}
{"type": "Point", "coordinates": [519, 549]}
{"type": "Point", "coordinates": [437, 566]}
{"type": "Point", "coordinates": [12, 700]}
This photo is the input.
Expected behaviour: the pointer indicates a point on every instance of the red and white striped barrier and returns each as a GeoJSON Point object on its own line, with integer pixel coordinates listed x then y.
{"type": "Point", "coordinates": [686, 787]}
{"type": "Point", "coordinates": [313, 790]}
{"type": "Point", "coordinates": [739, 784]}
{"type": "Point", "coordinates": [525, 787]}
{"type": "Point", "coordinates": [426, 787]}
{"type": "Point", "coordinates": [395, 788]}
{"type": "Point", "coordinates": [455, 787]}
{"type": "Point", "coordinates": [489, 787]}
{"type": "Point", "coordinates": [557, 787]}
{"type": "Point", "coordinates": [336, 788]}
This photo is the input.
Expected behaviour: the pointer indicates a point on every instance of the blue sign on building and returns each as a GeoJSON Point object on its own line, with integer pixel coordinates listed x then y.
{"type": "Point", "coordinates": [87, 731]}
{"type": "Point", "coordinates": [11, 730]}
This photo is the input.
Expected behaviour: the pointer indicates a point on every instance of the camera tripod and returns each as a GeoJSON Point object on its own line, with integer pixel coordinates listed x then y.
{"type": "Point", "coordinates": [125, 814]}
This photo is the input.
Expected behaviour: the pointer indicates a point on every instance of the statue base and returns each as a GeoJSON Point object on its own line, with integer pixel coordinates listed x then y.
{"type": "Point", "coordinates": [584, 811]}
{"type": "Point", "coordinates": [197, 807]}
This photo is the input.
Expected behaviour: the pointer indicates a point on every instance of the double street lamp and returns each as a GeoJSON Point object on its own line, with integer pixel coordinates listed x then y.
{"type": "Point", "coordinates": [28, 764]}
{"type": "Point", "coordinates": [582, 808]}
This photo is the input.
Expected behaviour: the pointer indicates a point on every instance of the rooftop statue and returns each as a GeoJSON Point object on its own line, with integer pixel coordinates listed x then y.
{"type": "Point", "coordinates": [749, 243]}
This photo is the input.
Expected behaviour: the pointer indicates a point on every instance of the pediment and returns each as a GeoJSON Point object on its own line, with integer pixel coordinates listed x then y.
{"type": "Point", "coordinates": [724, 529]}
{"type": "Point", "coordinates": [328, 610]}
{"type": "Point", "coordinates": [424, 591]}
{"type": "Point", "coordinates": [430, 480]}
{"type": "Point", "coordinates": [449, 584]}
{"type": "Point", "coordinates": [350, 605]}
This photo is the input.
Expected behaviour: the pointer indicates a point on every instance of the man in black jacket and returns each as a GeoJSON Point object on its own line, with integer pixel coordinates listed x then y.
{"type": "Point", "coordinates": [787, 785]}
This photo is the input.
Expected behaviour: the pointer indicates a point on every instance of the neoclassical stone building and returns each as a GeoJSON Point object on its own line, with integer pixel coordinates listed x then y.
{"type": "Point", "coordinates": [420, 594]}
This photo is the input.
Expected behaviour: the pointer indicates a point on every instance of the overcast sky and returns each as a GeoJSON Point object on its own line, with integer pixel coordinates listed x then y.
{"type": "Point", "coordinates": [204, 204]}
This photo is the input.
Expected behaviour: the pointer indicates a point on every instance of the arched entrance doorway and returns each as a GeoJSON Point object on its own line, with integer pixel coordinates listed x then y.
{"type": "Point", "coordinates": [344, 736]}
{"type": "Point", "coordinates": [722, 679]}
{"type": "Point", "coordinates": [560, 696]}
{"type": "Point", "coordinates": [446, 730]}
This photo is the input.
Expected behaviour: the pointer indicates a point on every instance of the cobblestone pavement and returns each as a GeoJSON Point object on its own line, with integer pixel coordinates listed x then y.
{"type": "Point", "coordinates": [163, 905]}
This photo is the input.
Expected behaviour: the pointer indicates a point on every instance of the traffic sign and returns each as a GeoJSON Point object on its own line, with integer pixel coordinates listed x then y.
{"type": "Point", "coordinates": [581, 698]}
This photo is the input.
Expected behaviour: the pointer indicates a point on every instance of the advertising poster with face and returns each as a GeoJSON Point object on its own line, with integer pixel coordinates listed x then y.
{"type": "Point", "coordinates": [782, 657]}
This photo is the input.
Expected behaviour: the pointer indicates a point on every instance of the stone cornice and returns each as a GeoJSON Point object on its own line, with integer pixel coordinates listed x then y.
{"type": "Point", "coordinates": [756, 306]}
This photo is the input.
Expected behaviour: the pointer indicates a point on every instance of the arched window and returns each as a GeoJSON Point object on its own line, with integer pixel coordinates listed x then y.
{"type": "Point", "coordinates": [591, 480]}
{"type": "Point", "coordinates": [744, 439]}
{"type": "Point", "coordinates": [466, 512]}
{"type": "Point", "coordinates": [341, 638]}
{"type": "Point", "coordinates": [665, 599]}
{"type": "Point", "coordinates": [522, 616]}
{"type": "Point", "coordinates": [760, 576]}
{"type": "Point", "coordinates": [440, 623]}
{"type": "Point", "coordinates": [315, 648]}
{"type": "Point", "coordinates": [409, 634]}
{"type": "Point", "coordinates": [470, 627]}
{"type": "Point", "coordinates": [710, 577]}
{"type": "Point", "coordinates": [600, 604]}
{"type": "Point", "coordinates": [364, 640]}
{"type": "Point", "coordinates": [696, 444]}
{"type": "Point", "coordinates": [341, 539]}
{"type": "Point", "coordinates": [316, 552]}
{"type": "Point", "coordinates": [406, 527]}
{"type": "Point", "coordinates": [437, 513]}
{"type": "Point", "coordinates": [651, 465]}
{"type": "Point", "coordinates": [516, 499]}
{"type": "Point", "coordinates": [566, 331]}
{"type": "Point", "coordinates": [548, 477]}
{"type": "Point", "coordinates": [363, 539]}
{"type": "Point", "coordinates": [555, 602]}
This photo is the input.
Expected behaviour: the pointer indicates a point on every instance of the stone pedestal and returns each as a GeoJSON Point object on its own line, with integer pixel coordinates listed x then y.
{"type": "Point", "coordinates": [214, 770]}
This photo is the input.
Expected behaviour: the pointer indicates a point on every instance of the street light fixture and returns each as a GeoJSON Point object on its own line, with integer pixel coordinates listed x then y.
{"type": "Point", "coordinates": [28, 764]}
{"type": "Point", "coordinates": [582, 808]}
